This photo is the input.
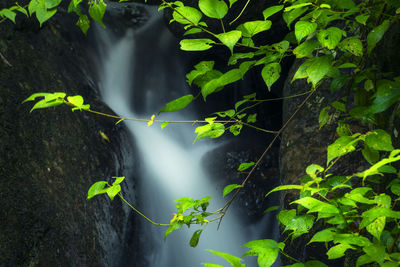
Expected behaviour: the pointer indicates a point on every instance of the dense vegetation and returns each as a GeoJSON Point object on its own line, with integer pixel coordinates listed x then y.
{"type": "Point", "coordinates": [337, 42]}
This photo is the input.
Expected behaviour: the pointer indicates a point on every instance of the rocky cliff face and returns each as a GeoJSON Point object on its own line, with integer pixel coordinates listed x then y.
{"type": "Point", "coordinates": [49, 158]}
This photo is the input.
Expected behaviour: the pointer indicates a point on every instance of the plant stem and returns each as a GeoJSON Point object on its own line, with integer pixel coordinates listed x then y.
{"type": "Point", "coordinates": [241, 12]}
{"type": "Point", "coordinates": [141, 214]}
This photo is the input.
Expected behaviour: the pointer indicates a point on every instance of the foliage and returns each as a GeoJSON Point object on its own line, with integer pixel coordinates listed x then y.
{"type": "Point", "coordinates": [337, 42]}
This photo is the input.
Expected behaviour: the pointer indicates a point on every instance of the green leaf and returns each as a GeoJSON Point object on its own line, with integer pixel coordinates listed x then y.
{"type": "Point", "coordinates": [376, 252]}
{"type": "Point", "coordinates": [43, 14]}
{"type": "Point", "coordinates": [97, 10]}
{"type": "Point", "coordinates": [289, 8]}
{"type": "Point", "coordinates": [387, 95]}
{"type": "Point", "coordinates": [195, 238]}
{"type": "Point", "coordinates": [285, 187]}
{"type": "Point", "coordinates": [319, 67]}
{"type": "Point", "coordinates": [292, 15]}
{"type": "Point", "coordinates": [196, 44]}
{"type": "Point", "coordinates": [286, 216]}
{"type": "Point", "coordinates": [214, 130]}
{"type": "Point", "coordinates": [271, 73]}
{"type": "Point", "coordinates": [342, 146]}
{"type": "Point", "coordinates": [187, 15]}
{"type": "Point", "coordinates": [216, 9]}
{"type": "Point", "coordinates": [323, 117]}
{"type": "Point", "coordinates": [252, 118]}
{"type": "Point", "coordinates": [245, 165]}
{"type": "Point", "coordinates": [36, 95]}
{"type": "Point", "coordinates": [267, 251]}
{"type": "Point", "coordinates": [315, 205]}
{"type": "Point", "coordinates": [174, 226]}
{"type": "Point", "coordinates": [325, 235]}
{"type": "Point", "coordinates": [376, 35]}
{"type": "Point", "coordinates": [338, 251]}
{"type": "Point", "coordinates": [230, 188]}
{"type": "Point", "coordinates": [47, 103]}
{"type": "Point", "coordinates": [118, 180]}
{"type": "Point", "coordinates": [395, 189]}
{"type": "Point", "coordinates": [236, 128]}
{"type": "Point", "coordinates": [233, 260]}
{"type": "Point", "coordinates": [230, 38]}
{"type": "Point", "coordinates": [370, 155]}
{"type": "Point", "coordinates": [271, 11]}
{"type": "Point", "coordinates": [200, 69]}
{"type": "Point", "coordinates": [19, 9]}
{"type": "Point", "coordinates": [305, 49]}
{"type": "Point", "coordinates": [251, 28]}
{"type": "Point", "coordinates": [281, 47]}
{"type": "Point", "coordinates": [379, 140]}
{"type": "Point", "coordinates": [364, 259]}
{"type": "Point", "coordinates": [83, 23]}
{"type": "Point", "coordinates": [273, 208]}
{"type": "Point", "coordinates": [236, 56]}
{"type": "Point", "coordinates": [212, 264]}
{"type": "Point", "coordinates": [113, 190]}
{"type": "Point", "coordinates": [7, 13]}
{"type": "Point", "coordinates": [376, 227]}
{"type": "Point", "coordinates": [192, 31]}
{"type": "Point", "coordinates": [302, 70]}
{"type": "Point", "coordinates": [96, 189]}
{"type": "Point", "coordinates": [362, 18]}
{"type": "Point", "coordinates": [303, 29]}
{"type": "Point", "coordinates": [177, 104]}
{"type": "Point", "coordinates": [352, 45]}
{"type": "Point", "coordinates": [231, 2]}
{"type": "Point", "coordinates": [76, 100]}
{"type": "Point", "coordinates": [330, 37]}
{"type": "Point", "coordinates": [163, 125]}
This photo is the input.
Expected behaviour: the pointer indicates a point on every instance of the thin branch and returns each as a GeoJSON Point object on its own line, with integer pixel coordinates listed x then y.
{"type": "Point", "coordinates": [228, 204]}
{"type": "Point", "coordinates": [5, 61]}
{"type": "Point", "coordinates": [240, 14]}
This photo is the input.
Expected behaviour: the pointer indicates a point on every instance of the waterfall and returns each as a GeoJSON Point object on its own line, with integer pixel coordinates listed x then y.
{"type": "Point", "coordinates": [139, 73]}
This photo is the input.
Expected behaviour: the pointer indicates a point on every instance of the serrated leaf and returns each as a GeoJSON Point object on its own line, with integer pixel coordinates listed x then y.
{"type": "Point", "coordinates": [230, 38]}
{"type": "Point", "coordinates": [187, 15]}
{"type": "Point", "coordinates": [216, 9]}
{"type": "Point", "coordinates": [96, 189]}
{"type": "Point", "coordinates": [271, 73]}
{"type": "Point", "coordinates": [271, 11]}
{"type": "Point", "coordinates": [177, 104]}
{"type": "Point", "coordinates": [196, 44]}
{"type": "Point", "coordinates": [251, 28]}
{"type": "Point", "coordinates": [245, 165]}
{"type": "Point", "coordinates": [230, 188]}
{"type": "Point", "coordinates": [304, 28]}
{"type": "Point", "coordinates": [305, 49]}
{"type": "Point", "coordinates": [376, 35]}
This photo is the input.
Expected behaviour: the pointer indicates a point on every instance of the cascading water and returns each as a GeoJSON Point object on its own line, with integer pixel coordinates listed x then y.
{"type": "Point", "coordinates": [139, 74]}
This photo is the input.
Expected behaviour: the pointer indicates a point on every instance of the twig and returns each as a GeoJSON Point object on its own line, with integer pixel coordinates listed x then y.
{"type": "Point", "coordinates": [5, 61]}
{"type": "Point", "coordinates": [228, 204]}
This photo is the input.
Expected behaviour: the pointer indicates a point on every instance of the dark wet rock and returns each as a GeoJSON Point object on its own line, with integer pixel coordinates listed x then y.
{"type": "Point", "coordinates": [49, 158]}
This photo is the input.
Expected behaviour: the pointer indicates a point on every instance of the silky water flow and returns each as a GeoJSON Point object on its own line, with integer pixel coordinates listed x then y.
{"type": "Point", "coordinates": [139, 74]}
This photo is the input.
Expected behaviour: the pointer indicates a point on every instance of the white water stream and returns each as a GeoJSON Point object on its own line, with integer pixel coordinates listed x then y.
{"type": "Point", "coordinates": [143, 68]}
